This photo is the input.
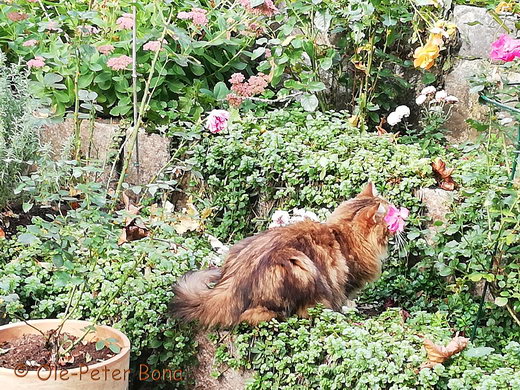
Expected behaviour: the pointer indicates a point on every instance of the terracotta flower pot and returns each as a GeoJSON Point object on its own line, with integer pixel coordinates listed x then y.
{"type": "Point", "coordinates": [112, 374]}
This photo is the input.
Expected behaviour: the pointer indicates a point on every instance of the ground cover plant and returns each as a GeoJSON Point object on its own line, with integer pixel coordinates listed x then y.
{"type": "Point", "coordinates": [274, 112]}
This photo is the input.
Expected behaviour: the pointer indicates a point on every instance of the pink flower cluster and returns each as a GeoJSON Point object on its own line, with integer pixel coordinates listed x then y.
{"type": "Point", "coordinates": [30, 43]}
{"type": "Point", "coordinates": [16, 16]}
{"type": "Point", "coordinates": [126, 22]}
{"type": "Point", "coordinates": [267, 8]}
{"type": "Point", "coordinates": [105, 49]}
{"type": "Point", "coordinates": [243, 89]}
{"type": "Point", "coordinates": [36, 62]}
{"type": "Point", "coordinates": [505, 49]}
{"type": "Point", "coordinates": [119, 63]}
{"type": "Point", "coordinates": [217, 121]}
{"type": "Point", "coordinates": [153, 45]}
{"type": "Point", "coordinates": [197, 16]}
{"type": "Point", "coordinates": [52, 26]}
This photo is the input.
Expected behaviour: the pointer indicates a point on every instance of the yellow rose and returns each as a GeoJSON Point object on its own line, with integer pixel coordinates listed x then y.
{"type": "Point", "coordinates": [504, 6]}
{"type": "Point", "coordinates": [424, 57]}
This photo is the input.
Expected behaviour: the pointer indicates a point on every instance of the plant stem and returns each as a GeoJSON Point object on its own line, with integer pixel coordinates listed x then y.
{"type": "Point", "coordinates": [77, 123]}
{"type": "Point", "coordinates": [142, 110]}
{"type": "Point", "coordinates": [134, 85]}
{"type": "Point", "coordinates": [107, 302]}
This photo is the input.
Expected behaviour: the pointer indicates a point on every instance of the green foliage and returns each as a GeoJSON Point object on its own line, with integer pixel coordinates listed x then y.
{"type": "Point", "coordinates": [294, 159]}
{"type": "Point", "coordinates": [18, 128]}
{"type": "Point", "coordinates": [335, 351]}
{"type": "Point", "coordinates": [75, 258]}
{"type": "Point", "coordinates": [188, 75]}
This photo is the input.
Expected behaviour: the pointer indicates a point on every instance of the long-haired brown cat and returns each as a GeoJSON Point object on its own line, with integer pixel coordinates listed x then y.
{"type": "Point", "coordinates": [286, 270]}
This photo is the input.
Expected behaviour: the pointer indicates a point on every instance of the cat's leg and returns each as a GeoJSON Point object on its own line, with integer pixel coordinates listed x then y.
{"type": "Point", "coordinates": [257, 314]}
{"type": "Point", "coordinates": [303, 311]}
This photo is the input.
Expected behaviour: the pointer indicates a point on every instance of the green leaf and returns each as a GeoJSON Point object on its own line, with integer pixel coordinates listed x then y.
{"type": "Point", "coordinates": [27, 238]}
{"type": "Point", "coordinates": [309, 102]}
{"type": "Point", "coordinates": [114, 348]}
{"type": "Point", "coordinates": [256, 3]}
{"type": "Point", "coordinates": [501, 301]}
{"type": "Point", "coordinates": [26, 206]}
{"type": "Point", "coordinates": [100, 345]}
{"type": "Point", "coordinates": [428, 78]}
{"type": "Point", "coordinates": [478, 352]}
{"type": "Point", "coordinates": [326, 63]}
{"type": "Point", "coordinates": [220, 91]}
{"type": "Point", "coordinates": [257, 53]}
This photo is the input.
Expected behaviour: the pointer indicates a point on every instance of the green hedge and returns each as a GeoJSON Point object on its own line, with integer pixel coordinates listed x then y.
{"type": "Point", "coordinates": [336, 351]}
{"type": "Point", "coordinates": [293, 159]}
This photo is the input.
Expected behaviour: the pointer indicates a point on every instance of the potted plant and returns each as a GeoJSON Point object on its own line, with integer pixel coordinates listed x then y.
{"type": "Point", "coordinates": [80, 355]}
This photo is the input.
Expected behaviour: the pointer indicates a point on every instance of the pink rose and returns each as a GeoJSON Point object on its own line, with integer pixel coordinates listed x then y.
{"type": "Point", "coordinates": [395, 218]}
{"type": "Point", "coordinates": [505, 49]}
{"type": "Point", "coordinates": [217, 121]}
{"type": "Point", "coordinates": [36, 62]}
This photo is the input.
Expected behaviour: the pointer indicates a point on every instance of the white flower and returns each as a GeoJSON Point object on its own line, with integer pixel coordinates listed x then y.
{"type": "Point", "coordinates": [506, 121]}
{"type": "Point", "coordinates": [420, 99]}
{"type": "Point", "coordinates": [428, 90]}
{"type": "Point", "coordinates": [393, 119]}
{"type": "Point", "coordinates": [441, 95]}
{"type": "Point", "coordinates": [402, 111]}
{"type": "Point", "coordinates": [280, 218]}
{"type": "Point", "coordinates": [452, 99]}
{"type": "Point", "coordinates": [312, 216]}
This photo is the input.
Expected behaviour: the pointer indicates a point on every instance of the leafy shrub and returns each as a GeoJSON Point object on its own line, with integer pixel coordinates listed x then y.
{"type": "Point", "coordinates": [77, 255]}
{"type": "Point", "coordinates": [18, 128]}
{"type": "Point", "coordinates": [336, 351]}
{"type": "Point", "coordinates": [294, 159]}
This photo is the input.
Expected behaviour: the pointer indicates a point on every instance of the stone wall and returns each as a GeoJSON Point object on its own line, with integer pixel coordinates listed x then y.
{"type": "Point", "coordinates": [102, 143]}
{"type": "Point", "coordinates": [478, 30]}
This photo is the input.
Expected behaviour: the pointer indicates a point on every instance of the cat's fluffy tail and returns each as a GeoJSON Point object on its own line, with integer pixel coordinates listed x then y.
{"type": "Point", "coordinates": [195, 300]}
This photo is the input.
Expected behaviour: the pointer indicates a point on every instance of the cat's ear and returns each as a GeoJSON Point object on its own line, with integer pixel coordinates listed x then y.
{"type": "Point", "coordinates": [376, 213]}
{"type": "Point", "coordinates": [369, 190]}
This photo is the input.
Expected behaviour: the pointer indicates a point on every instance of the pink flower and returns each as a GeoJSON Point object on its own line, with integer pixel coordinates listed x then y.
{"type": "Point", "coordinates": [236, 78]}
{"type": "Point", "coordinates": [105, 49]}
{"type": "Point", "coordinates": [267, 53]}
{"type": "Point", "coordinates": [52, 26]}
{"type": "Point", "coordinates": [505, 49]}
{"type": "Point", "coordinates": [126, 22]}
{"type": "Point", "coordinates": [30, 43]}
{"type": "Point", "coordinates": [184, 15]}
{"type": "Point", "coordinates": [197, 16]}
{"type": "Point", "coordinates": [153, 45]}
{"type": "Point", "coordinates": [267, 8]}
{"type": "Point", "coordinates": [17, 16]}
{"type": "Point", "coordinates": [36, 62]}
{"type": "Point", "coordinates": [119, 63]}
{"type": "Point", "coordinates": [395, 218]}
{"type": "Point", "coordinates": [217, 121]}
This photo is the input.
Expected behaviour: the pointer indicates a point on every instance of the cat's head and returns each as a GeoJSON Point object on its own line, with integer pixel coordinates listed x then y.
{"type": "Point", "coordinates": [365, 215]}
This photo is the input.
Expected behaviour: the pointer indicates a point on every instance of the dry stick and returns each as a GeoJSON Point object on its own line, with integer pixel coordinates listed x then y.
{"type": "Point", "coordinates": [134, 85]}
{"type": "Point", "coordinates": [142, 109]}
{"type": "Point", "coordinates": [77, 123]}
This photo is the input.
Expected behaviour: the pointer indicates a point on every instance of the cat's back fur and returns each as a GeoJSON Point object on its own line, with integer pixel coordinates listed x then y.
{"type": "Point", "coordinates": [286, 270]}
